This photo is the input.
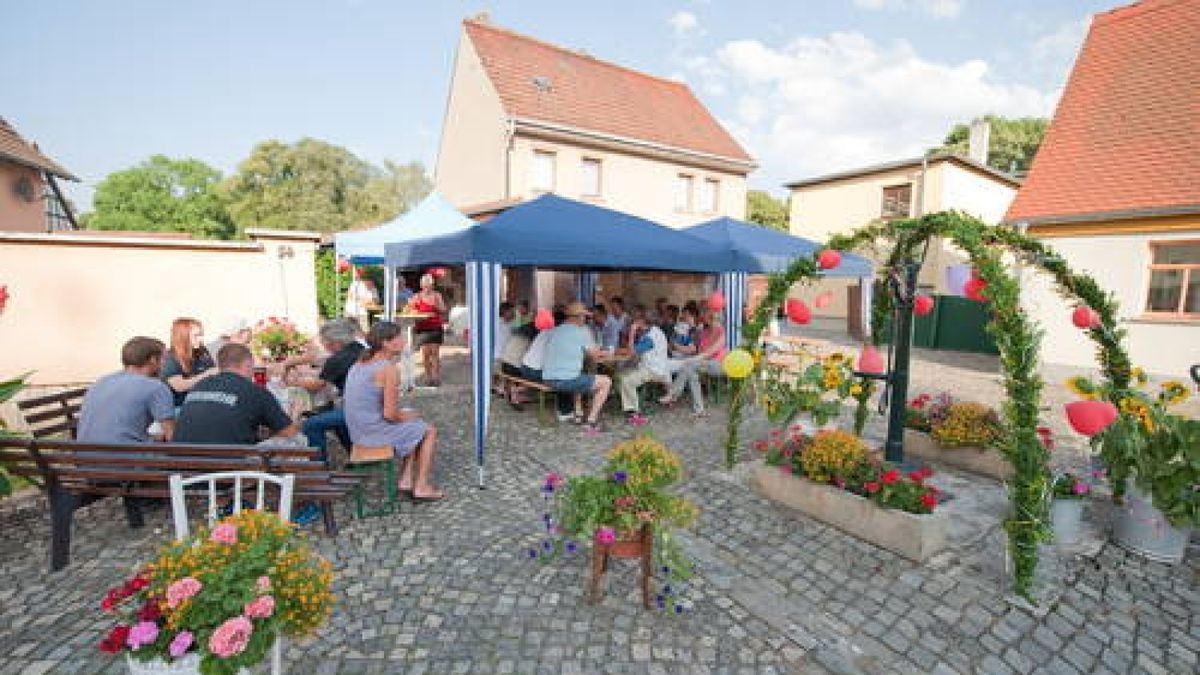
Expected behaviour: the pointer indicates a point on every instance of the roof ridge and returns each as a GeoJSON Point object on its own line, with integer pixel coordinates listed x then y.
{"type": "Point", "coordinates": [572, 52]}
{"type": "Point", "coordinates": [1126, 12]}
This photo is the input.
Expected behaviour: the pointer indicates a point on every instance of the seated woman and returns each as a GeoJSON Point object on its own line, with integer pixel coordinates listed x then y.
{"type": "Point", "coordinates": [373, 414]}
{"type": "Point", "coordinates": [510, 361]}
{"type": "Point", "coordinates": [710, 350]}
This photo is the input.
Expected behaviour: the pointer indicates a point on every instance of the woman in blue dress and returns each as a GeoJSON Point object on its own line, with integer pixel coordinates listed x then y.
{"type": "Point", "coordinates": [375, 419]}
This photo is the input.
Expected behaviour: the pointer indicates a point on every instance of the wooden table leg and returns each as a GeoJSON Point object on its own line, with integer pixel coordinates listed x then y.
{"type": "Point", "coordinates": [599, 567]}
{"type": "Point", "coordinates": [647, 567]}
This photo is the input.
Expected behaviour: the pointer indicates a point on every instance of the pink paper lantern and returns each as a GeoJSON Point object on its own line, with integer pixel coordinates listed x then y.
{"type": "Point", "coordinates": [829, 259]}
{"type": "Point", "coordinates": [1091, 417]}
{"type": "Point", "coordinates": [922, 305]}
{"type": "Point", "coordinates": [871, 361]}
{"type": "Point", "coordinates": [797, 311]}
{"type": "Point", "coordinates": [438, 272]}
{"type": "Point", "coordinates": [974, 289]}
{"type": "Point", "coordinates": [543, 320]}
{"type": "Point", "coordinates": [343, 265]}
{"type": "Point", "coordinates": [716, 301]}
{"type": "Point", "coordinates": [1085, 317]}
{"type": "Point", "coordinates": [824, 300]}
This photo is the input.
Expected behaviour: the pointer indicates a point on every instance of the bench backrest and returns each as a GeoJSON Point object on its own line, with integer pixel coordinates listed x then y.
{"type": "Point", "coordinates": [54, 414]}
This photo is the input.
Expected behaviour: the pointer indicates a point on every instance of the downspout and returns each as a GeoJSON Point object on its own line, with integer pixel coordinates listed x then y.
{"type": "Point", "coordinates": [510, 130]}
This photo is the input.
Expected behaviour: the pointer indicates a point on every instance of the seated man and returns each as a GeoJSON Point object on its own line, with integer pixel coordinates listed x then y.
{"type": "Point", "coordinates": [121, 407]}
{"type": "Point", "coordinates": [338, 340]}
{"type": "Point", "coordinates": [228, 408]}
{"type": "Point", "coordinates": [566, 349]}
{"type": "Point", "coordinates": [510, 361]}
{"type": "Point", "coordinates": [652, 366]}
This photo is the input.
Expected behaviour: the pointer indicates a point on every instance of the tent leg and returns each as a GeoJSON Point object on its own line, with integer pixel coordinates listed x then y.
{"type": "Point", "coordinates": [481, 485]}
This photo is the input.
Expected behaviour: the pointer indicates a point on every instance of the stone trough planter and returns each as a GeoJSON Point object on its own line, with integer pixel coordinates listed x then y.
{"type": "Point", "coordinates": [983, 461]}
{"type": "Point", "coordinates": [916, 537]}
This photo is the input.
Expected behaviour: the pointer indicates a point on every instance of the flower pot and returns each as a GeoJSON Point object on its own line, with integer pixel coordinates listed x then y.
{"type": "Point", "coordinates": [188, 665]}
{"type": "Point", "coordinates": [634, 547]}
{"type": "Point", "coordinates": [1066, 515]}
{"type": "Point", "coordinates": [1140, 528]}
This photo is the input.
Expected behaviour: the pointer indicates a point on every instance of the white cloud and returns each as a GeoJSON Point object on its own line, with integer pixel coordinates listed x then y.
{"type": "Point", "coordinates": [685, 23]}
{"type": "Point", "coordinates": [942, 9]}
{"type": "Point", "coordinates": [821, 104]}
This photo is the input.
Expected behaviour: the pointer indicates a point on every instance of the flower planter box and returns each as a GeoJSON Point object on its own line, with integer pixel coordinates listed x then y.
{"type": "Point", "coordinates": [983, 461]}
{"type": "Point", "coordinates": [912, 536]}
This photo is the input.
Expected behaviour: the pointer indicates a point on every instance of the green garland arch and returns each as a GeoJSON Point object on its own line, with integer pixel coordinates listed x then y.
{"type": "Point", "coordinates": [1016, 337]}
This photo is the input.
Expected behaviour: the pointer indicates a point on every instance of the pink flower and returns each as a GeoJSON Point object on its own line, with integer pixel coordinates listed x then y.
{"type": "Point", "coordinates": [182, 590]}
{"type": "Point", "coordinates": [142, 633]}
{"type": "Point", "coordinates": [263, 584]}
{"type": "Point", "coordinates": [260, 607]}
{"type": "Point", "coordinates": [605, 535]}
{"type": "Point", "coordinates": [180, 644]}
{"type": "Point", "coordinates": [225, 533]}
{"type": "Point", "coordinates": [231, 637]}
{"type": "Point", "coordinates": [1082, 488]}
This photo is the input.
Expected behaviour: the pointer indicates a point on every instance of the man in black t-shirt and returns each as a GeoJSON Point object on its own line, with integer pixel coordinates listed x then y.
{"type": "Point", "coordinates": [228, 408]}
{"type": "Point", "coordinates": [339, 339]}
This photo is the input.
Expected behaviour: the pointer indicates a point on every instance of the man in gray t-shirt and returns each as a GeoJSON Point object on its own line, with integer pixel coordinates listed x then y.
{"type": "Point", "coordinates": [120, 407]}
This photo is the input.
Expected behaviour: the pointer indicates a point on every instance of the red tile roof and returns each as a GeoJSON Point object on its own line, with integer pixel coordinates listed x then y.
{"type": "Point", "coordinates": [544, 82]}
{"type": "Point", "coordinates": [13, 148]}
{"type": "Point", "coordinates": [1126, 136]}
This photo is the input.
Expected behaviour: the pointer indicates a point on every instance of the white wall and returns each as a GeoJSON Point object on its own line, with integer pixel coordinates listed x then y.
{"type": "Point", "coordinates": [633, 184]}
{"type": "Point", "coordinates": [1118, 264]}
{"type": "Point", "coordinates": [470, 163]}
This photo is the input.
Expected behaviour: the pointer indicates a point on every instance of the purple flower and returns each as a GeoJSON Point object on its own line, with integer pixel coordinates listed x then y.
{"type": "Point", "coordinates": [547, 545]}
{"type": "Point", "coordinates": [571, 546]}
{"type": "Point", "coordinates": [619, 476]}
{"type": "Point", "coordinates": [1082, 488]}
{"type": "Point", "coordinates": [142, 633]}
{"type": "Point", "coordinates": [679, 609]}
{"type": "Point", "coordinates": [532, 553]}
{"type": "Point", "coordinates": [180, 644]}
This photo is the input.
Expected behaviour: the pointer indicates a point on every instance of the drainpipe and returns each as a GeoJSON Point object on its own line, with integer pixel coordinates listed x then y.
{"type": "Point", "coordinates": [510, 129]}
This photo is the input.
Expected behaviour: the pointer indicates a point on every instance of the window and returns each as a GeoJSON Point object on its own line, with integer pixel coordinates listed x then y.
{"type": "Point", "coordinates": [1174, 279]}
{"type": "Point", "coordinates": [542, 177]}
{"type": "Point", "coordinates": [897, 202]}
{"type": "Point", "coordinates": [708, 195]}
{"type": "Point", "coordinates": [589, 177]}
{"type": "Point", "coordinates": [683, 192]}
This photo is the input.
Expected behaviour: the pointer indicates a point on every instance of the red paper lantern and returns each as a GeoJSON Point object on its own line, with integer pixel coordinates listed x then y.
{"type": "Point", "coordinates": [797, 311]}
{"type": "Point", "coordinates": [829, 259]}
{"type": "Point", "coordinates": [974, 288]}
{"type": "Point", "coordinates": [871, 361]}
{"type": "Point", "coordinates": [922, 305]}
{"type": "Point", "coordinates": [824, 300]}
{"type": "Point", "coordinates": [3, 296]}
{"type": "Point", "coordinates": [1091, 417]}
{"type": "Point", "coordinates": [438, 272]}
{"type": "Point", "coordinates": [543, 320]}
{"type": "Point", "coordinates": [1085, 317]}
{"type": "Point", "coordinates": [716, 301]}
{"type": "Point", "coordinates": [343, 265]}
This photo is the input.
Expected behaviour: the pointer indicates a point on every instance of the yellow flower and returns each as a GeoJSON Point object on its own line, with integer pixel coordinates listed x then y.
{"type": "Point", "coordinates": [856, 390]}
{"type": "Point", "coordinates": [1083, 387]}
{"type": "Point", "coordinates": [1138, 375]}
{"type": "Point", "coordinates": [1173, 391]}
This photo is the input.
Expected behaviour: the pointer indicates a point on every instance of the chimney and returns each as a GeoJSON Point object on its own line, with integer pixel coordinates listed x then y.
{"type": "Point", "coordinates": [977, 141]}
{"type": "Point", "coordinates": [483, 17]}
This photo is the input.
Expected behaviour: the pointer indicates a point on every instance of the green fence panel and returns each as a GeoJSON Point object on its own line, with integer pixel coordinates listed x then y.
{"type": "Point", "coordinates": [962, 325]}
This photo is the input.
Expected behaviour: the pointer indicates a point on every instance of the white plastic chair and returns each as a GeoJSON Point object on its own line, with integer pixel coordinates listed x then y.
{"type": "Point", "coordinates": [285, 483]}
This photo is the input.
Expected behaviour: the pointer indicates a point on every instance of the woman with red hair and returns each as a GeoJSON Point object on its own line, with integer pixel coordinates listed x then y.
{"type": "Point", "coordinates": [187, 360]}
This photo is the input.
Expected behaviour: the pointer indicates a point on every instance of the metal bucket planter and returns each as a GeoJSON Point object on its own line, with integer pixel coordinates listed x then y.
{"type": "Point", "coordinates": [189, 664]}
{"type": "Point", "coordinates": [1066, 517]}
{"type": "Point", "coordinates": [1140, 528]}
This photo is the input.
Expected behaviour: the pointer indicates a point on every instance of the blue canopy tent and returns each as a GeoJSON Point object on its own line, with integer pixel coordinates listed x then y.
{"type": "Point", "coordinates": [432, 217]}
{"type": "Point", "coordinates": [760, 250]}
{"type": "Point", "coordinates": [553, 233]}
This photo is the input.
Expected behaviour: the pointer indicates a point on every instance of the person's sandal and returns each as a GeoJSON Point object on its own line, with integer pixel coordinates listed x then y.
{"type": "Point", "coordinates": [593, 428]}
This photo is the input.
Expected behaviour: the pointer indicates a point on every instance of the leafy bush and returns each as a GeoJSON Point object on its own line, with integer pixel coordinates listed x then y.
{"type": "Point", "coordinates": [967, 425]}
{"type": "Point", "coordinates": [832, 453]}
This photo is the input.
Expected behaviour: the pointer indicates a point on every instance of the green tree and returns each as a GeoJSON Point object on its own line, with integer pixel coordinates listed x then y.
{"type": "Point", "coordinates": [314, 185]}
{"type": "Point", "coordinates": [162, 195]}
{"type": "Point", "coordinates": [1011, 144]}
{"type": "Point", "coordinates": [765, 210]}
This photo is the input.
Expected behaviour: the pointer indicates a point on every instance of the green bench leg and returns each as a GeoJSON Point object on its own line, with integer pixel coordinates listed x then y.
{"type": "Point", "coordinates": [542, 417]}
{"type": "Point", "coordinates": [387, 470]}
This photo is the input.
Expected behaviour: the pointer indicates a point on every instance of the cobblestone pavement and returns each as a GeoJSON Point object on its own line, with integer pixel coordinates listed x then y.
{"type": "Point", "coordinates": [448, 588]}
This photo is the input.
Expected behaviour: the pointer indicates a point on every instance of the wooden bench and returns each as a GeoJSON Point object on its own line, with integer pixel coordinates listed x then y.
{"type": "Point", "coordinates": [54, 414]}
{"type": "Point", "coordinates": [74, 474]}
{"type": "Point", "coordinates": [540, 387]}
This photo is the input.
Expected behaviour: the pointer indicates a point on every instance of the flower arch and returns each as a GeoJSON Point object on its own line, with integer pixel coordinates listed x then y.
{"type": "Point", "coordinates": [1016, 337]}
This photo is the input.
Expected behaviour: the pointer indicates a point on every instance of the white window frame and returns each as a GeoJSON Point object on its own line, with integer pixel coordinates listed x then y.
{"type": "Point", "coordinates": [688, 180]}
{"type": "Point", "coordinates": [1188, 269]}
{"type": "Point", "coordinates": [583, 177]}
{"type": "Point", "coordinates": [714, 204]}
{"type": "Point", "coordinates": [534, 170]}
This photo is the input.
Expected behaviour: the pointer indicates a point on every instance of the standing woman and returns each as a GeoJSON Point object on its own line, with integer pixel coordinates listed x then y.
{"type": "Point", "coordinates": [375, 418]}
{"type": "Point", "coordinates": [187, 361]}
{"type": "Point", "coordinates": [429, 332]}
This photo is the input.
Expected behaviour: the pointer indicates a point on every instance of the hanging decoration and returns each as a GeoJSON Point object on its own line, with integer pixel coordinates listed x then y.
{"type": "Point", "coordinates": [543, 320]}
{"type": "Point", "coordinates": [1085, 317]}
{"type": "Point", "coordinates": [437, 272]}
{"type": "Point", "coordinates": [870, 360]}
{"type": "Point", "coordinates": [343, 265]}
{"type": "Point", "coordinates": [738, 363]}
{"type": "Point", "coordinates": [829, 259]}
{"type": "Point", "coordinates": [1091, 417]}
{"type": "Point", "coordinates": [922, 305]}
{"type": "Point", "coordinates": [824, 300]}
{"type": "Point", "coordinates": [974, 289]}
{"type": "Point", "coordinates": [798, 312]}
{"type": "Point", "coordinates": [716, 301]}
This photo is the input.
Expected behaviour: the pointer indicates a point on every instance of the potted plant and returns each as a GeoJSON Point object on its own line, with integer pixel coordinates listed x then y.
{"type": "Point", "coordinates": [1068, 493]}
{"type": "Point", "coordinates": [216, 602]}
{"type": "Point", "coordinates": [815, 388]}
{"type": "Point", "coordinates": [963, 434]}
{"type": "Point", "coordinates": [628, 509]}
{"type": "Point", "coordinates": [1153, 458]}
{"type": "Point", "coordinates": [276, 339]}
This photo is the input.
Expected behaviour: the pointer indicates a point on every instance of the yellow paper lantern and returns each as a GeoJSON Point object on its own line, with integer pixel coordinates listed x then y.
{"type": "Point", "coordinates": [738, 364]}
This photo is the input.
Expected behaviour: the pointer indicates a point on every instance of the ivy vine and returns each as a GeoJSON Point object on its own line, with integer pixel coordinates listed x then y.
{"type": "Point", "coordinates": [1017, 339]}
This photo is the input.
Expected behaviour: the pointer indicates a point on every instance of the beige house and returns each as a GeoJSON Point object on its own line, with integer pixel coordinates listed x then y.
{"type": "Point", "coordinates": [30, 200]}
{"type": "Point", "coordinates": [525, 117]}
{"type": "Point", "coordinates": [826, 205]}
{"type": "Point", "coordinates": [1115, 187]}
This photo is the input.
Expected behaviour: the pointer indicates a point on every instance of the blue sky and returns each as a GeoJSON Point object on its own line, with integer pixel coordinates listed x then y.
{"type": "Point", "coordinates": [808, 86]}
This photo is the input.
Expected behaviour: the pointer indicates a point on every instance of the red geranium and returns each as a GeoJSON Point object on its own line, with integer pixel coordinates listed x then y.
{"type": "Point", "coordinates": [115, 641]}
{"type": "Point", "coordinates": [890, 476]}
{"type": "Point", "coordinates": [928, 500]}
{"type": "Point", "coordinates": [151, 611]}
{"type": "Point", "coordinates": [871, 486]}
{"type": "Point", "coordinates": [916, 476]}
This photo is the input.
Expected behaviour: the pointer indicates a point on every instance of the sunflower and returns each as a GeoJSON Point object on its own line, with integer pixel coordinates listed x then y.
{"type": "Point", "coordinates": [1138, 375]}
{"type": "Point", "coordinates": [856, 390]}
{"type": "Point", "coordinates": [1173, 391]}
